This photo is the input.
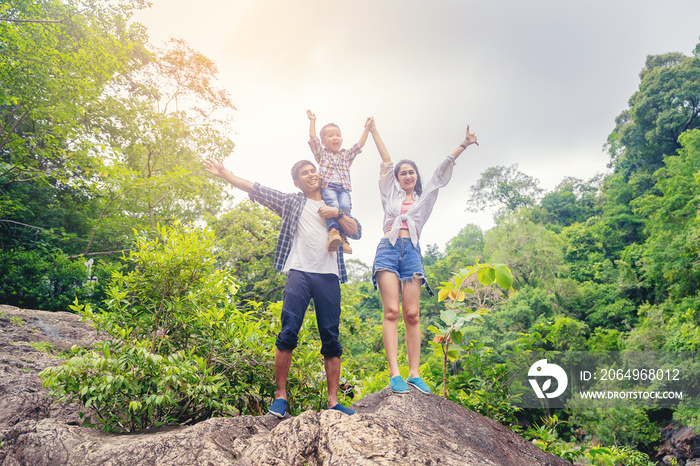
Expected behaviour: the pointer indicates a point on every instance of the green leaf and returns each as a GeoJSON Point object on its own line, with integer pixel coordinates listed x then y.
{"type": "Point", "coordinates": [504, 276]}
{"type": "Point", "coordinates": [486, 275]}
{"type": "Point", "coordinates": [449, 316]}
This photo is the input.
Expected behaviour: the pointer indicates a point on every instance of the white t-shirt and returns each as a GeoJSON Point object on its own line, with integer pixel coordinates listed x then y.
{"type": "Point", "coordinates": [309, 251]}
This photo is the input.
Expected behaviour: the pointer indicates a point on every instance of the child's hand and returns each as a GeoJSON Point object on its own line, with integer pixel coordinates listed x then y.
{"type": "Point", "coordinates": [369, 124]}
{"type": "Point", "coordinates": [311, 116]}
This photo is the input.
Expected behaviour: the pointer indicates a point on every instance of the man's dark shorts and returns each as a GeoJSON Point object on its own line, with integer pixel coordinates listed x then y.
{"type": "Point", "coordinates": [300, 288]}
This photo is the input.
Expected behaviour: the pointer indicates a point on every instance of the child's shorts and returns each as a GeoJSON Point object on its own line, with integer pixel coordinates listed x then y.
{"type": "Point", "coordinates": [402, 258]}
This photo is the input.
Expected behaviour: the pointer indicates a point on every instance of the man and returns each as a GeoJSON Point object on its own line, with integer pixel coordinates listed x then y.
{"type": "Point", "coordinates": [312, 270]}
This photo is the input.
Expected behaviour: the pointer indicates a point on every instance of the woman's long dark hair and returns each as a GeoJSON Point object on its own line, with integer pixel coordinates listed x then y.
{"type": "Point", "coordinates": [418, 189]}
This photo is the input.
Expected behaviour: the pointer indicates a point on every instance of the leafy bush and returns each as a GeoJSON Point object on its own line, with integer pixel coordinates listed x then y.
{"type": "Point", "coordinates": [129, 387]}
{"type": "Point", "coordinates": [178, 350]}
{"type": "Point", "coordinates": [618, 425]}
{"type": "Point", "coordinates": [547, 438]}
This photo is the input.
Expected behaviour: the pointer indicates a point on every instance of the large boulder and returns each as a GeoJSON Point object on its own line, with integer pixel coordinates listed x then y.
{"type": "Point", "coordinates": [22, 396]}
{"type": "Point", "coordinates": [389, 429]}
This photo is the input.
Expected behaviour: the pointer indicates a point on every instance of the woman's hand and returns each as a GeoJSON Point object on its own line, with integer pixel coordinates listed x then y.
{"type": "Point", "coordinates": [470, 138]}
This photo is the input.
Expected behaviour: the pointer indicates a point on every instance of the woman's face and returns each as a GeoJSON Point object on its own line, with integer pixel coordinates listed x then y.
{"type": "Point", "coordinates": [407, 177]}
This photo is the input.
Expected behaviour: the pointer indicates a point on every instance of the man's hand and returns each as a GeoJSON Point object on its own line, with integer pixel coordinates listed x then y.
{"type": "Point", "coordinates": [311, 116]}
{"type": "Point", "coordinates": [326, 211]}
{"type": "Point", "coordinates": [215, 167]}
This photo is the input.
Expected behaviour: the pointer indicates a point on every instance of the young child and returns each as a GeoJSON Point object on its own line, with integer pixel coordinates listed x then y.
{"type": "Point", "coordinates": [334, 169]}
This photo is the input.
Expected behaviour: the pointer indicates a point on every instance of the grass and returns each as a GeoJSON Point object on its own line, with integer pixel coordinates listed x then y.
{"type": "Point", "coordinates": [17, 320]}
{"type": "Point", "coordinates": [43, 347]}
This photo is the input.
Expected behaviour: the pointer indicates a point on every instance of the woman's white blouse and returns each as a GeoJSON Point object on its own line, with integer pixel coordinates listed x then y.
{"type": "Point", "coordinates": [393, 196]}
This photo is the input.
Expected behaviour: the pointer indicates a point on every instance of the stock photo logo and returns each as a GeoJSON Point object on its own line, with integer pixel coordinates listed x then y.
{"type": "Point", "coordinates": [545, 371]}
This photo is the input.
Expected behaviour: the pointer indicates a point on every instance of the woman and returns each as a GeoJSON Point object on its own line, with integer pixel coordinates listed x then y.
{"type": "Point", "coordinates": [398, 265]}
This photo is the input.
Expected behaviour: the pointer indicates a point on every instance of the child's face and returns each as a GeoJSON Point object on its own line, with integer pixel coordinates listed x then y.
{"type": "Point", "coordinates": [331, 139]}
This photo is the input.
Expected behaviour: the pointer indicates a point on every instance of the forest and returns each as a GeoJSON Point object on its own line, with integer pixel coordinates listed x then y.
{"type": "Point", "coordinates": [105, 211]}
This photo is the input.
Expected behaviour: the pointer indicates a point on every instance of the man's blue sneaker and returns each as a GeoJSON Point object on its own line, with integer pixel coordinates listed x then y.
{"type": "Point", "coordinates": [418, 383]}
{"type": "Point", "coordinates": [278, 408]}
{"type": "Point", "coordinates": [343, 409]}
{"type": "Point", "coordinates": [398, 385]}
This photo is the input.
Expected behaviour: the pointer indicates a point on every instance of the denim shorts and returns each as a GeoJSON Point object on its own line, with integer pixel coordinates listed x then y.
{"type": "Point", "coordinates": [402, 258]}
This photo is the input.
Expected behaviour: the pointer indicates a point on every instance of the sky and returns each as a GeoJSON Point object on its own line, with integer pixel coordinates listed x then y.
{"type": "Point", "coordinates": [540, 82]}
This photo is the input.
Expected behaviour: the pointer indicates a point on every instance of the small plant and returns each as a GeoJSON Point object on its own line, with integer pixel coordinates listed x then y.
{"type": "Point", "coordinates": [545, 436]}
{"type": "Point", "coordinates": [43, 347]}
{"type": "Point", "coordinates": [18, 321]}
{"type": "Point", "coordinates": [449, 337]}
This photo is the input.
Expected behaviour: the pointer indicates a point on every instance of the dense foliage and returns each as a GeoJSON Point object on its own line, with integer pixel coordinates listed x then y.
{"type": "Point", "coordinates": [101, 134]}
{"type": "Point", "coordinates": [177, 348]}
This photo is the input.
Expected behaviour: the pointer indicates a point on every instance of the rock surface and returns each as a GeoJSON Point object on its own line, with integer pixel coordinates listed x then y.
{"type": "Point", "coordinates": [683, 444]}
{"type": "Point", "coordinates": [21, 395]}
{"type": "Point", "coordinates": [389, 429]}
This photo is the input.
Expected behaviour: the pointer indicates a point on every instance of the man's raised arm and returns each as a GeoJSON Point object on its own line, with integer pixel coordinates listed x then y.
{"type": "Point", "coordinates": [216, 168]}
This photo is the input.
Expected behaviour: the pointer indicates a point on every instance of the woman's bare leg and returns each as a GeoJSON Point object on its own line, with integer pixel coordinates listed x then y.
{"type": "Point", "coordinates": [410, 308]}
{"type": "Point", "coordinates": [388, 284]}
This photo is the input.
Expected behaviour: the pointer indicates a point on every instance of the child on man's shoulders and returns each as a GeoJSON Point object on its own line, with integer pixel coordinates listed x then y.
{"type": "Point", "coordinates": [334, 169]}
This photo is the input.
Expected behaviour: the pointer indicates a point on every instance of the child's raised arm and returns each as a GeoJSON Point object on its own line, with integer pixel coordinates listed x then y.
{"type": "Point", "coordinates": [363, 138]}
{"type": "Point", "coordinates": [378, 140]}
{"type": "Point", "coordinates": [312, 124]}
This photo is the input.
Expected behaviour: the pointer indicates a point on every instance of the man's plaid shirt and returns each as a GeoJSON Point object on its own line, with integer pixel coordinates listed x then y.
{"type": "Point", "coordinates": [289, 206]}
{"type": "Point", "coordinates": [327, 162]}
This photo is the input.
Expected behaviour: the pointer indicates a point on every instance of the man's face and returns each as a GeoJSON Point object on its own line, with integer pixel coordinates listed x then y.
{"type": "Point", "coordinates": [308, 179]}
{"type": "Point", "coordinates": [331, 139]}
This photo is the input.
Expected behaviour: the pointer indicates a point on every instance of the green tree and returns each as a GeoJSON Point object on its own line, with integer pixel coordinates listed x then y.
{"type": "Point", "coordinates": [572, 201]}
{"type": "Point", "coordinates": [671, 257]}
{"type": "Point", "coordinates": [247, 238]}
{"type": "Point", "coordinates": [533, 253]}
{"type": "Point", "coordinates": [505, 188]}
{"type": "Point", "coordinates": [157, 126]}
{"type": "Point", "coordinates": [56, 59]}
{"type": "Point", "coordinates": [666, 104]}
{"type": "Point", "coordinates": [583, 250]}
